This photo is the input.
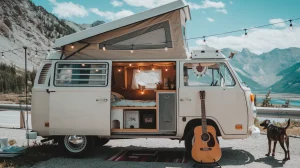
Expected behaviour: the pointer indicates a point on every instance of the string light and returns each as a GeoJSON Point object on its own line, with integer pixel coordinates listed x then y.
{"type": "Point", "coordinates": [142, 92]}
{"type": "Point", "coordinates": [291, 25]}
{"type": "Point", "coordinates": [152, 67]}
{"type": "Point", "coordinates": [104, 49]}
{"type": "Point", "coordinates": [131, 49]}
{"type": "Point", "coordinates": [72, 46]}
{"type": "Point", "coordinates": [36, 53]}
{"type": "Point", "coordinates": [130, 64]}
{"type": "Point", "coordinates": [119, 69]}
{"type": "Point", "coordinates": [246, 34]}
{"type": "Point", "coordinates": [2, 55]}
{"type": "Point", "coordinates": [139, 70]}
{"type": "Point", "coordinates": [97, 70]}
{"type": "Point", "coordinates": [83, 65]}
{"type": "Point", "coordinates": [166, 68]}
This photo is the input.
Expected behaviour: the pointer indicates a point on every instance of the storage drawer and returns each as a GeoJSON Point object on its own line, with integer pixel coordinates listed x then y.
{"type": "Point", "coordinates": [167, 111]}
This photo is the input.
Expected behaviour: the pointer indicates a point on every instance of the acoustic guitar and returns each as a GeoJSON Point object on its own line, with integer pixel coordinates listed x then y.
{"type": "Point", "coordinates": [206, 148]}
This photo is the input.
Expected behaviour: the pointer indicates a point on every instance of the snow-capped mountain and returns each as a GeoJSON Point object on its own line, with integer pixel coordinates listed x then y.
{"type": "Point", "coordinates": [80, 27]}
{"type": "Point", "coordinates": [261, 71]}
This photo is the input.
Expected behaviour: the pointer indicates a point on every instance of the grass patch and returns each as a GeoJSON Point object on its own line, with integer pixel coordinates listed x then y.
{"type": "Point", "coordinates": [32, 155]}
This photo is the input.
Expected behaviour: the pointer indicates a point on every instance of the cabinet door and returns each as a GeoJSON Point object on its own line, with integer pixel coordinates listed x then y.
{"type": "Point", "coordinates": [167, 112]}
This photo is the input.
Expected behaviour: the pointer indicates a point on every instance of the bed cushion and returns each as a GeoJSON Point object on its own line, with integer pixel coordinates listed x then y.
{"type": "Point", "coordinates": [133, 103]}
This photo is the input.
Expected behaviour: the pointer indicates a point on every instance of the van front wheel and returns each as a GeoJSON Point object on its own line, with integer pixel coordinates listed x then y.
{"type": "Point", "coordinates": [77, 145]}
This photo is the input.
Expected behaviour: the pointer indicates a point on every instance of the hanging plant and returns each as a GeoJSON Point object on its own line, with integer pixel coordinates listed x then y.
{"type": "Point", "coordinates": [199, 70]}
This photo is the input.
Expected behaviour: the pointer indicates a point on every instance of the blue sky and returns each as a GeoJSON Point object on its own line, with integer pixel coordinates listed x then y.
{"type": "Point", "coordinates": [208, 17]}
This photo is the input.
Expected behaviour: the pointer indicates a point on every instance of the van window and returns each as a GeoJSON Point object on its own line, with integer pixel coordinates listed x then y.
{"type": "Point", "coordinates": [207, 74]}
{"type": "Point", "coordinates": [147, 78]}
{"type": "Point", "coordinates": [81, 74]}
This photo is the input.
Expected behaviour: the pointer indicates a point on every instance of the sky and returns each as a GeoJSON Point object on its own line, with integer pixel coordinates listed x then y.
{"type": "Point", "coordinates": [208, 17]}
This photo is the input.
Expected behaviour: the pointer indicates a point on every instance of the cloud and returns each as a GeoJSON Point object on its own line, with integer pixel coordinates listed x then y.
{"type": "Point", "coordinates": [212, 4]}
{"type": "Point", "coordinates": [111, 15]}
{"type": "Point", "coordinates": [210, 19]}
{"type": "Point", "coordinates": [272, 21]}
{"type": "Point", "coordinates": [155, 3]}
{"type": "Point", "coordinates": [68, 9]}
{"type": "Point", "coordinates": [116, 3]}
{"type": "Point", "coordinates": [222, 11]}
{"type": "Point", "coordinates": [230, 2]}
{"type": "Point", "coordinates": [258, 41]}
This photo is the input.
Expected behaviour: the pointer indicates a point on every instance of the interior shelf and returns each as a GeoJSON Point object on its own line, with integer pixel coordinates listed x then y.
{"type": "Point", "coordinates": [134, 130]}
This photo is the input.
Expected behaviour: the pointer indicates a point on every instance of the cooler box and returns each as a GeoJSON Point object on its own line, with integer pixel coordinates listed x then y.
{"type": "Point", "coordinates": [132, 119]}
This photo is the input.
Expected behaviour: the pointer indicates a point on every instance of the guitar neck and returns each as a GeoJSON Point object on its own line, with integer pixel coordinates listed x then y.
{"type": "Point", "coordinates": [203, 116]}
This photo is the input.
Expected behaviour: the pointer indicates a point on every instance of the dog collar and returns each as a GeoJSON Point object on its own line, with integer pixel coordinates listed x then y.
{"type": "Point", "coordinates": [269, 124]}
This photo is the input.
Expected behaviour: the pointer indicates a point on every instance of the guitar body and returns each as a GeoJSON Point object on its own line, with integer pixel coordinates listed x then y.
{"type": "Point", "coordinates": [206, 148]}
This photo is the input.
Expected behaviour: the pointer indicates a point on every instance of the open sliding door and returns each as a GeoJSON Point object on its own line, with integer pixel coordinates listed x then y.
{"type": "Point", "coordinates": [80, 93]}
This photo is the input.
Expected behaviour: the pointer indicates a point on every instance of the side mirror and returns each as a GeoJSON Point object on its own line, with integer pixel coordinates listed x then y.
{"type": "Point", "coordinates": [223, 84]}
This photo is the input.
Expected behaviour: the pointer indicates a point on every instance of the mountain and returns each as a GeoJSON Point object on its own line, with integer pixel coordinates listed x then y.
{"type": "Point", "coordinates": [24, 23]}
{"type": "Point", "coordinates": [80, 27]}
{"type": "Point", "coordinates": [290, 82]}
{"type": "Point", "coordinates": [261, 71]}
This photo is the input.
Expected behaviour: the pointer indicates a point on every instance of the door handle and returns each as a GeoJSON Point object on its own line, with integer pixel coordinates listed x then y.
{"type": "Point", "coordinates": [48, 91]}
{"type": "Point", "coordinates": [105, 100]}
{"type": "Point", "coordinates": [186, 99]}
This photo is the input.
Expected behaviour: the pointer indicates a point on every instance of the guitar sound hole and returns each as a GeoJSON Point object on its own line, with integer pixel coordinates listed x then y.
{"type": "Point", "coordinates": [205, 137]}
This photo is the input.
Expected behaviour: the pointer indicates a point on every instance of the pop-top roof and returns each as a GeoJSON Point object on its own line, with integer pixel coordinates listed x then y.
{"type": "Point", "coordinates": [122, 22]}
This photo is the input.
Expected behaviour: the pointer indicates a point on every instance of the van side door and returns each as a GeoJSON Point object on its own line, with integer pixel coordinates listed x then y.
{"type": "Point", "coordinates": [80, 94]}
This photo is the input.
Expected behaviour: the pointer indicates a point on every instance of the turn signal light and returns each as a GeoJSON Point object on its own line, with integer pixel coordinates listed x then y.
{"type": "Point", "coordinates": [238, 126]}
{"type": "Point", "coordinates": [252, 97]}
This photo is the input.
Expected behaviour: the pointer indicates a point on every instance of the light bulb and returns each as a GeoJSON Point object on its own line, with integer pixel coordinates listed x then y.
{"type": "Point", "coordinates": [72, 46]}
{"type": "Point", "coordinates": [130, 64]}
{"type": "Point", "coordinates": [104, 49]}
{"type": "Point", "coordinates": [119, 69]}
{"type": "Point", "coordinates": [83, 64]}
{"type": "Point", "coordinates": [166, 48]}
{"type": "Point", "coordinates": [97, 70]}
{"type": "Point", "coordinates": [139, 70]}
{"type": "Point", "coordinates": [166, 68]}
{"type": "Point", "coordinates": [142, 92]}
{"type": "Point", "coordinates": [131, 51]}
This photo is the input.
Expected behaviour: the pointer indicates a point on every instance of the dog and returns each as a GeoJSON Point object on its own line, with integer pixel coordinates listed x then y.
{"type": "Point", "coordinates": [275, 134]}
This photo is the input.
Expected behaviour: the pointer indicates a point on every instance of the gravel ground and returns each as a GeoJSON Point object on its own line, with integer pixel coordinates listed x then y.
{"type": "Point", "coordinates": [236, 153]}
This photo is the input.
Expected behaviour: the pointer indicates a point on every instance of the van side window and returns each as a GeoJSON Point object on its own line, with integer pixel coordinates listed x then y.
{"type": "Point", "coordinates": [206, 74]}
{"type": "Point", "coordinates": [81, 74]}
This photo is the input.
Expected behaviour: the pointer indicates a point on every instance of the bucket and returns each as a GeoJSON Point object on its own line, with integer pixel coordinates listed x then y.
{"type": "Point", "coordinates": [3, 142]}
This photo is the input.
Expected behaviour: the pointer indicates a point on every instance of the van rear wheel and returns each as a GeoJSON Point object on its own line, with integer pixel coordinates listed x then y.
{"type": "Point", "coordinates": [77, 145]}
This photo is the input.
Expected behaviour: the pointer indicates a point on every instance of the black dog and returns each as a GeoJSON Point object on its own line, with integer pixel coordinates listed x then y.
{"type": "Point", "coordinates": [275, 134]}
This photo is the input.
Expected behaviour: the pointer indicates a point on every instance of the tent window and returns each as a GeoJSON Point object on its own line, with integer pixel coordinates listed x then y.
{"type": "Point", "coordinates": [81, 74]}
{"type": "Point", "coordinates": [157, 36]}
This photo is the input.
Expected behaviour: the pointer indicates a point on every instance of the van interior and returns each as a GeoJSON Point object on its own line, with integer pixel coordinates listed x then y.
{"type": "Point", "coordinates": [143, 98]}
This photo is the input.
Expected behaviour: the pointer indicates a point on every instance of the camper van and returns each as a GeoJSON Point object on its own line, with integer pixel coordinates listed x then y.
{"type": "Point", "coordinates": [136, 78]}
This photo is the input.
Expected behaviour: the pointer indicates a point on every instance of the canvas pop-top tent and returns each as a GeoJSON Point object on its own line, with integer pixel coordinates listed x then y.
{"type": "Point", "coordinates": [147, 34]}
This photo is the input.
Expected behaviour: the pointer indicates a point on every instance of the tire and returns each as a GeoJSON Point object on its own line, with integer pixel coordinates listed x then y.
{"type": "Point", "coordinates": [188, 142]}
{"type": "Point", "coordinates": [101, 141]}
{"type": "Point", "coordinates": [77, 146]}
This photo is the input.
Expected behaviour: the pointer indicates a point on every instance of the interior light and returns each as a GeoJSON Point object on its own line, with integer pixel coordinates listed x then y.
{"type": "Point", "coordinates": [119, 69]}
{"type": "Point", "coordinates": [152, 67]}
{"type": "Point", "coordinates": [130, 64]}
{"type": "Point", "coordinates": [166, 68]}
{"type": "Point", "coordinates": [142, 92]}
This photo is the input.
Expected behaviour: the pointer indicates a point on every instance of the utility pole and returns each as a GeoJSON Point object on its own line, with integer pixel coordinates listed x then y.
{"type": "Point", "coordinates": [26, 98]}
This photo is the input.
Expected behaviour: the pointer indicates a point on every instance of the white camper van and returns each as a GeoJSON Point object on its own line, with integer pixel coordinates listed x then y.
{"type": "Point", "coordinates": [134, 78]}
